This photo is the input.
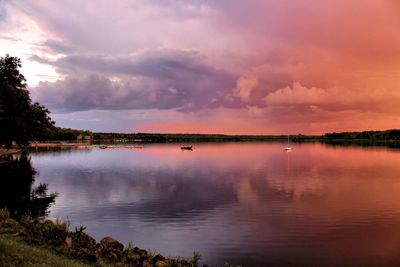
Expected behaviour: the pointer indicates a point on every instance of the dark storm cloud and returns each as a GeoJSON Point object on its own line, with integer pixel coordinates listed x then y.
{"type": "Point", "coordinates": [161, 63]}
{"type": "Point", "coordinates": [150, 80]}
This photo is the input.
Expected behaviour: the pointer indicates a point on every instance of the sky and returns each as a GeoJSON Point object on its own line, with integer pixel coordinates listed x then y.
{"type": "Point", "coordinates": [210, 66]}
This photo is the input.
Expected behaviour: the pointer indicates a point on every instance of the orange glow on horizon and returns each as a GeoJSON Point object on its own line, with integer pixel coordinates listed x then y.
{"type": "Point", "coordinates": [295, 67]}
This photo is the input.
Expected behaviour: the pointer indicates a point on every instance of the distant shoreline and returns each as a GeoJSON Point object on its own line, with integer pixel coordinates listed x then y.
{"type": "Point", "coordinates": [387, 137]}
{"type": "Point", "coordinates": [57, 144]}
{"type": "Point", "coordinates": [193, 138]}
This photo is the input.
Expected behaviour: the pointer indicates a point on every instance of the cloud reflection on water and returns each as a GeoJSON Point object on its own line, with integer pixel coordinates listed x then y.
{"type": "Point", "coordinates": [249, 203]}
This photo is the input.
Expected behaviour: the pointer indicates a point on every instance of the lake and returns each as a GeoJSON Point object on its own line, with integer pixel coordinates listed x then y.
{"type": "Point", "coordinates": [242, 203]}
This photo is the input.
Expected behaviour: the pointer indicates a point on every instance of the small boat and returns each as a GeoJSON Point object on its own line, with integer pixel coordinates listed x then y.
{"type": "Point", "coordinates": [138, 147]}
{"type": "Point", "coordinates": [102, 147]}
{"type": "Point", "coordinates": [287, 148]}
{"type": "Point", "coordinates": [186, 148]}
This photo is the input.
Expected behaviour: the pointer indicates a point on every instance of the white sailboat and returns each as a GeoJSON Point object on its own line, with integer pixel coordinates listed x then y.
{"type": "Point", "coordinates": [288, 148]}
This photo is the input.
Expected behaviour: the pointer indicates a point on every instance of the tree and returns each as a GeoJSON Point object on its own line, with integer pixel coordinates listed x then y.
{"type": "Point", "coordinates": [20, 119]}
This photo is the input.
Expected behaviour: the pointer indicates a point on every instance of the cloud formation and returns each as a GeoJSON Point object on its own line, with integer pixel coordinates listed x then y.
{"type": "Point", "coordinates": [147, 80]}
{"type": "Point", "coordinates": [280, 64]}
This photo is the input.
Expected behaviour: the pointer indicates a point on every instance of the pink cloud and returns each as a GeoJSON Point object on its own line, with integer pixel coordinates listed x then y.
{"type": "Point", "coordinates": [297, 95]}
{"type": "Point", "coordinates": [274, 66]}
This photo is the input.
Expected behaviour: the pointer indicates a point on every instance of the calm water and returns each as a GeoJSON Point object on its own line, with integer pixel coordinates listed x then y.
{"type": "Point", "coordinates": [249, 204]}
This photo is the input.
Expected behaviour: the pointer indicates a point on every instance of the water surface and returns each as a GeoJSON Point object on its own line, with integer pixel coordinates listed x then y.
{"type": "Point", "coordinates": [242, 203]}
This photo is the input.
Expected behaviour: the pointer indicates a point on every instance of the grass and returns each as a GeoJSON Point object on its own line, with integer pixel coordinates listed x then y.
{"type": "Point", "coordinates": [40, 242]}
{"type": "Point", "coordinates": [14, 252]}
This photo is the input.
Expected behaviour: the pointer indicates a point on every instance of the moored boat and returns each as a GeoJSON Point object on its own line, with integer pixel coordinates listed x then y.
{"type": "Point", "coordinates": [288, 148]}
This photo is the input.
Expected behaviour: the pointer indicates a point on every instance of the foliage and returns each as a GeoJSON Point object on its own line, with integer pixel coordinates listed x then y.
{"type": "Point", "coordinates": [388, 135]}
{"type": "Point", "coordinates": [168, 138]}
{"type": "Point", "coordinates": [4, 214]}
{"type": "Point", "coordinates": [20, 119]}
{"type": "Point", "coordinates": [59, 133]}
{"type": "Point", "coordinates": [46, 232]}
{"type": "Point", "coordinates": [196, 257]}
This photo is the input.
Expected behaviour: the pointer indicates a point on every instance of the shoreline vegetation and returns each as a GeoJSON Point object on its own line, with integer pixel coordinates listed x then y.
{"type": "Point", "coordinates": [79, 138]}
{"type": "Point", "coordinates": [386, 135]}
{"type": "Point", "coordinates": [22, 242]}
{"type": "Point", "coordinates": [64, 135]}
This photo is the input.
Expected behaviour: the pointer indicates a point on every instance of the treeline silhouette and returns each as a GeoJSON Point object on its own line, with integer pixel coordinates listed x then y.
{"type": "Point", "coordinates": [166, 138]}
{"type": "Point", "coordinates": [21, 119]}
{"type": "Point", "coordinates": [388, 135]}
{"type": "Point", "coordinates": [58, 133]}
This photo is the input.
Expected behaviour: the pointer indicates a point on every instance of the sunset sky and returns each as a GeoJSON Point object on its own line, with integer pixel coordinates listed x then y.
{"type": "Point", "coordinates": [210, 66]}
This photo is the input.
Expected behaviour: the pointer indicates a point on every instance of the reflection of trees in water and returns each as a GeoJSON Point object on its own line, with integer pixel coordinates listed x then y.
{"type": "Point", "coordinates": [16, 190]}
{"type": "Point", "coordinates": [362, 143]}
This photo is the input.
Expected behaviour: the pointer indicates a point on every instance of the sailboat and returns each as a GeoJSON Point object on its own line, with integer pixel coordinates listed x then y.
{"type": "Point", "coordinates": [287, 148]}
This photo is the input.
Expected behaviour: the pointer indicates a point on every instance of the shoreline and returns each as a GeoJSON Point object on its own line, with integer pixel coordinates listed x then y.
{"type": "Point", "coordinates": [58, 239]}
{"type": "Point", "coordinates": [4, 153]}
{"type": "Point", "coordinates": [8, 152]}
{"type": "Point", "coordinates": [57, 144]}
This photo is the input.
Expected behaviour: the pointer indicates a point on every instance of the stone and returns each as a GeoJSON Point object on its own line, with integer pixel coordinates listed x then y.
{"type": "Point", "coordinates": [146, 263]}
{"type": "Point", "coordinates": [133, 259]}
{"type": "Point", "coordinates": [112, 254]}
{"type": "Point", "coordinates": [141, 252]}
{"type": "Point", "coordinates": [158, 257]}
{"type": "Point", "coordinates": [111, 243]}
{"type": "Point", "coordinates": [161, 263]}
{"type": "Point", "coordinates": [68, 241]}
{"type": "Point", "coordinates": [110, 249]}
{"type": "Point", "coordinates": [81, 239]}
